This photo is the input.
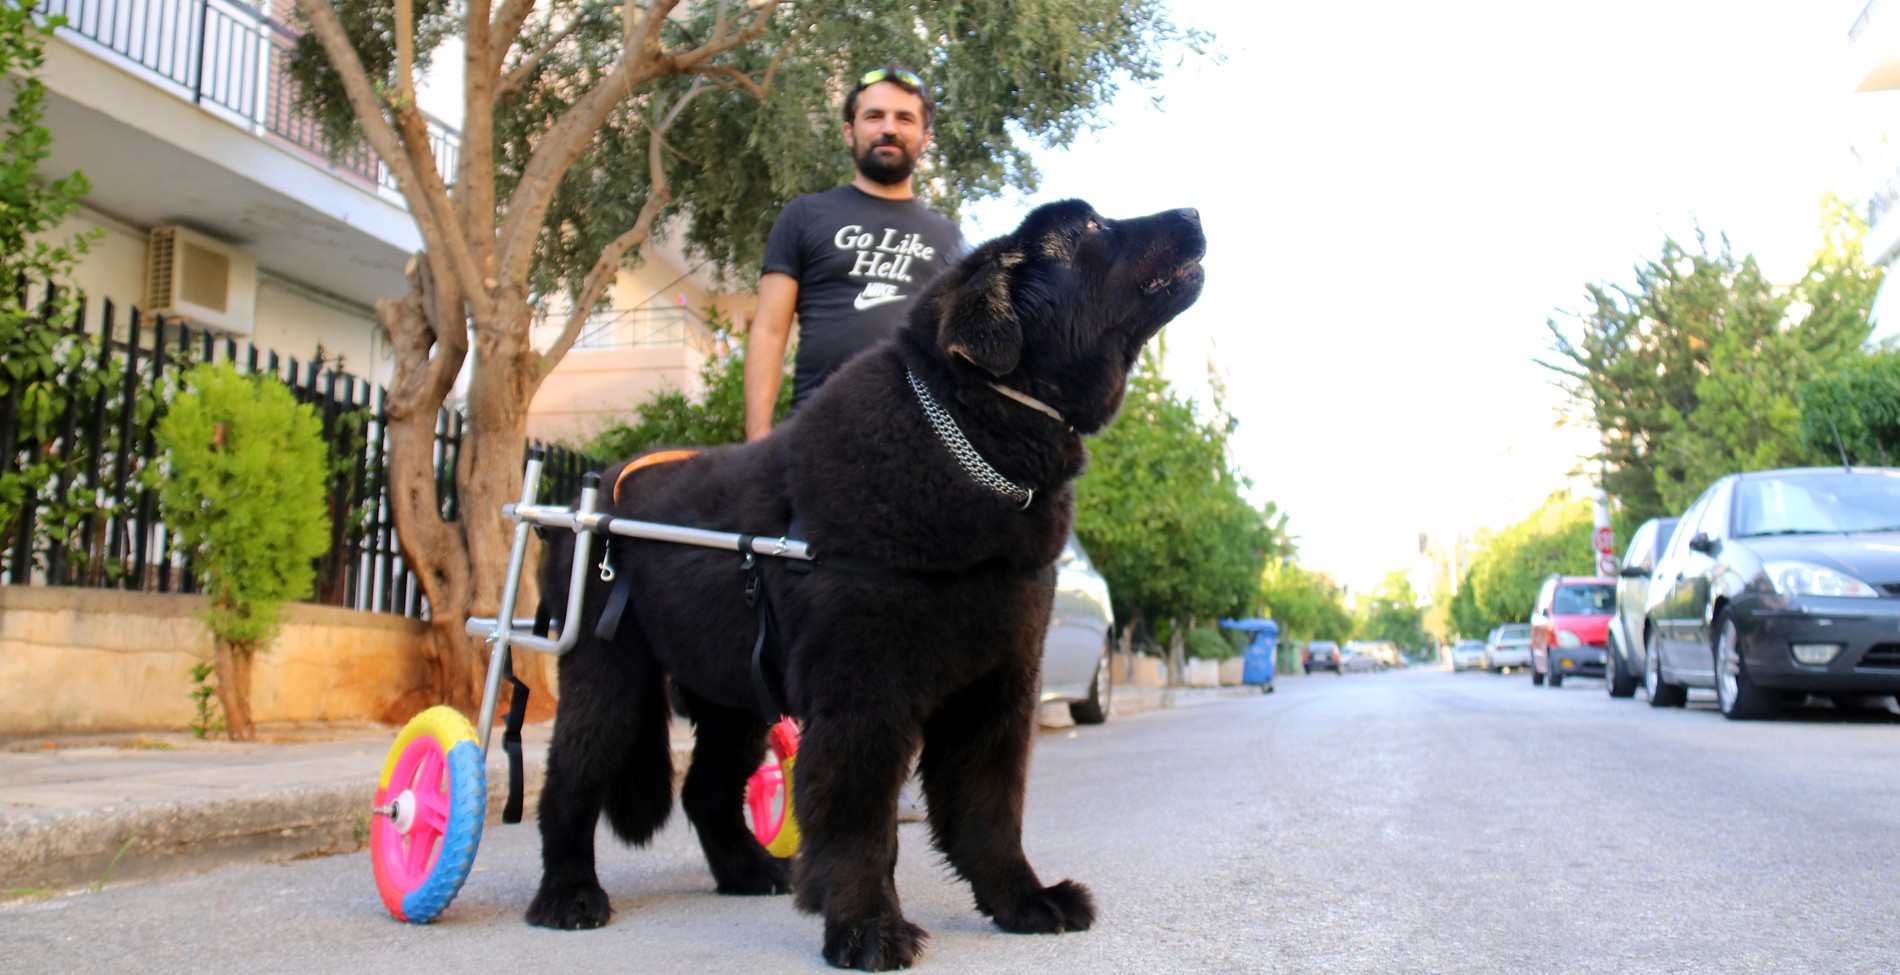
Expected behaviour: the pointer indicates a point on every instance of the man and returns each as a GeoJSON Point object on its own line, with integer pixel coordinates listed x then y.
{"type": "Point", "coordinates": [849, 261]}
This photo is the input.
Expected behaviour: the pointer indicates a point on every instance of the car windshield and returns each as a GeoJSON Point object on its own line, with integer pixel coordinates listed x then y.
{"type": "Point", "coordinates": [1514, 633]}
{"type": "Point", "coordinates": [1818, 503]}
{"type": "Point", "coordinates": [1598, 600]}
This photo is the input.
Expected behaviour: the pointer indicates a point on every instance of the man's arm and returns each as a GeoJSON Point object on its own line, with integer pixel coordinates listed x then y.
{"type": "Point", "coordinates": [765, 350]}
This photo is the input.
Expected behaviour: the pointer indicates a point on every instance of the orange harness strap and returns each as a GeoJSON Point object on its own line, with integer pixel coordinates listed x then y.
{"type": "Point", "coordinates": [647, 460]}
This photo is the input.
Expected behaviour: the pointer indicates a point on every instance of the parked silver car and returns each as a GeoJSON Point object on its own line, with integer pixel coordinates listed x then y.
{"type": "Point", "coordinates": [1508, 646]}
{"type": "Point", "coordinates": [1081, 635]}
{"type": "Point", "coordinates": [1780, 584]}
{"type": "Point", "coordinates": [1627, 650]}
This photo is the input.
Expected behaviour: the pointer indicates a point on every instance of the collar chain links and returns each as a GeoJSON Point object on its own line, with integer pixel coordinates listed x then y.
{"type": "Point", "coordinates": [972, 462]}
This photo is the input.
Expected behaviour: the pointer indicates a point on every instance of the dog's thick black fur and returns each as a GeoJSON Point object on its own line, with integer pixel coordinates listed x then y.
{"type": "Point", "coordinates": [937, 651]}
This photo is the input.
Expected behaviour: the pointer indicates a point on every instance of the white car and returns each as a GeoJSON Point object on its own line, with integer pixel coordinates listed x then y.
{"type": "Point", "coordinates": [1467, 655]}
{"type": "Point", "coordinates": [1508, 646]}
{"type": "Point", "coordinates": [1081, 636]}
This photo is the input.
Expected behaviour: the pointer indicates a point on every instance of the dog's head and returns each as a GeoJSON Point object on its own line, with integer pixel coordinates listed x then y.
{"type": "Point", "coordinates": [1060, 308]}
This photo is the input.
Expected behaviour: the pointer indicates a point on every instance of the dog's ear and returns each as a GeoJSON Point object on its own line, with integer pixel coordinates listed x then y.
{"type": "Point", "coordinates": [977, 318]}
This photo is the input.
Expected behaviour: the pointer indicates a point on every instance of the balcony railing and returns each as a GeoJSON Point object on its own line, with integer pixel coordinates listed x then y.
{"type": "Point", "coordinates": [1884, 199]}
{"type": "Point", "coordinates": [644, 327]}
{"type": "Point", "coordinates": [227, 55]}
{"type": "Point", "coordinates": [1860, 23]}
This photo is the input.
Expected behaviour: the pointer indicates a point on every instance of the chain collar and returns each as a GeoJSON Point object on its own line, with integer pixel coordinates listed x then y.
{"type": "Point", "coordinates": [972, 462]}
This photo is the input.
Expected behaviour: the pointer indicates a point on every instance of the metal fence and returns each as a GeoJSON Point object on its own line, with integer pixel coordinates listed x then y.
{"type": "Point", "coordinates": [93, 521]}
{"type": "Point", "coordinates": [228, 55]}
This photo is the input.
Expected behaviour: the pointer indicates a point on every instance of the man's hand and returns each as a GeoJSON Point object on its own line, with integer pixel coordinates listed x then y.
{"type": "Point", "coordinates": [765, 350]}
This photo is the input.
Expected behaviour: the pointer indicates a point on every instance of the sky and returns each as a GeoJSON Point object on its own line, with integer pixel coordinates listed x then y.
{"type": "Point", "coordinates": [1397, 197]}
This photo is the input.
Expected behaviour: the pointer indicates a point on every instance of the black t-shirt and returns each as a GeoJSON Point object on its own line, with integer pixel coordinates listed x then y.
{"type": "Point", "coordinates": [859, 260]}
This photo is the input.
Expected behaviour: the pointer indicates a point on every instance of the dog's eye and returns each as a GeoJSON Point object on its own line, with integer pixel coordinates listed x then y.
{"type": "Point", "coordinates": [1092, 225]}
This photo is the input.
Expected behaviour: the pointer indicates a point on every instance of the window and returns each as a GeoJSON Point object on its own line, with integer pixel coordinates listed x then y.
{"type": "Point", "coordinates": [1596, 600]}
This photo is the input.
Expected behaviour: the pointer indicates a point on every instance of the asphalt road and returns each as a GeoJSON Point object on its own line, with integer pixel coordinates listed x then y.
{"type": "Point", "coordinates": [1413, 822]}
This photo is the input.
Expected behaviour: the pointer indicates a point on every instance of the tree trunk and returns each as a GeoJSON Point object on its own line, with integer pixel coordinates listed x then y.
{"type": "Point", "coordinates": [232, 664]}
{"type": "Point", "coordinates": [460, 564]}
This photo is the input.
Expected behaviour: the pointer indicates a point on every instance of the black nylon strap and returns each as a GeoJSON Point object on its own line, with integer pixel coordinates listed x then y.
{"type": "Point", "coordinates": [609, 625]}
{"type": "Point", "coordinates": [511, 737]}
{"type": "Point", "coordinates": [755, 597]}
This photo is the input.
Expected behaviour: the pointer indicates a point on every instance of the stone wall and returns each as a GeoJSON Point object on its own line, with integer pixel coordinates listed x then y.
{"type": "Point", "coordinates": [84, 660]}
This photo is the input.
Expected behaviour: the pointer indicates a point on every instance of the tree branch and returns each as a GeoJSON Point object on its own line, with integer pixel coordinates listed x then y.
{"type": "Point", "coordinates": [421, 186]}
{"type": "Point", "coordinates": [641, 61]}
{"type": "Point", "coordinates": [607, 266]}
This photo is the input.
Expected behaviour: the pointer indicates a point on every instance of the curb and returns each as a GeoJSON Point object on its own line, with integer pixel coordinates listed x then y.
{"type": "Point", "coordinates": [44, 851]}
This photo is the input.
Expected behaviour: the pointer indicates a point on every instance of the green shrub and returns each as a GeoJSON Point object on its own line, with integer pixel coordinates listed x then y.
{"type": "Point", "coordinates": [242, 493]}
{"type": "Point", "coordinates": [1207, 643]}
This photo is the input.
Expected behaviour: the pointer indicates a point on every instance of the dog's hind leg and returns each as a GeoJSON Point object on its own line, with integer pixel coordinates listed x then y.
{"type": "Point", "coordinates": [609, 752]}
{"type": "Point", "coordinates": [727, 747]}
{"type": "Point", "coordinates": [975, 768]}
{"type": "Point", "coordinates": [852, 760]}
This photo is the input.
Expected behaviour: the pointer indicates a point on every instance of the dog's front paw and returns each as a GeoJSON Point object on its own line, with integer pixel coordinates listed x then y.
{"type": "Point", "coordinates": [769, 875]}
{"type": "Point", "coordinates": [571, 907]}
{"type": "Point", "coordinates": [1065, 907]}
{"type": "Point", "coordinates": [877, 945]}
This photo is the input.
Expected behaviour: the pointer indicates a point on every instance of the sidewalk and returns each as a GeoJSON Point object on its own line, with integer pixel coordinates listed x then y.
{"type": "Point", "coordinates": [79, 812]}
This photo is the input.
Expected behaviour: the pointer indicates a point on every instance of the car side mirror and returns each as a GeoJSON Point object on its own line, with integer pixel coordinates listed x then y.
{"type": "Point", "coordinates": [1634, 572]}
{"type": "Point", "coordinates": [1702, 543]}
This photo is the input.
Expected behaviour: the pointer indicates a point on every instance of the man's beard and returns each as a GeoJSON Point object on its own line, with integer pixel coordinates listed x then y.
{"type": "Point", "coordinates": [884, 170]}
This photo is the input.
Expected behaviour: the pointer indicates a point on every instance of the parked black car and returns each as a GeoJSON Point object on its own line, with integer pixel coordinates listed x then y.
{"type": "Point", "coordinates": [1780, 583]}
{"type": "Point", "coordinates": [1625, 668]}
{"type": "Point", "coordinates": [1321, 655]}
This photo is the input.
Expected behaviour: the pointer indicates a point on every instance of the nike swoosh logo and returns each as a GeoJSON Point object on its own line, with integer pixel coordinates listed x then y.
{"type": "Point", "coordinates": [861, 303]}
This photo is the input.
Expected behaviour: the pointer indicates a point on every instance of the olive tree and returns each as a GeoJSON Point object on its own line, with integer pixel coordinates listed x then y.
{"type": "Point", "coordinates": [590, 128]}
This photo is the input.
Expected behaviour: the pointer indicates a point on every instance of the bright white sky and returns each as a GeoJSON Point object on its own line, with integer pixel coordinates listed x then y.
{"type": "Point", "coordinates": [1397, 195]}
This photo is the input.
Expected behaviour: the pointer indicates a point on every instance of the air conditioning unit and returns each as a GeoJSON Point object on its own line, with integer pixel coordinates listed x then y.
{"type": "Point", "coordinates": [189, 275]}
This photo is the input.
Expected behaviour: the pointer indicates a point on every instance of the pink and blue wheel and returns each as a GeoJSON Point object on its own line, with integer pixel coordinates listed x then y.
{"type": "Point", "coordinates": [768, 793]}
{"type": "Point", "coordinates": [430, 804]}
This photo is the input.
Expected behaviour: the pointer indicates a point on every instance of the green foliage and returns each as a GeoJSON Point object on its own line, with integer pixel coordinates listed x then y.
{"type": "Point", "coordinates": [1208, 643]}
{"type": "Point", "coordinates": [205, 720]}
{"type": "Point", "coordinates": [1393, 613]}
{"type": "Point", "coordinates": [1691, 373]}
{"type": "Point", "coordinates": [1467, 620]}
{"type": "Point", "coordinates": [1306, 604]}
{"type": "Point", "coordinates": [44, 369]}
{"type": "Point", "coordinates": [243, 494]}
{"type": "Point", "coordinates": [1006, 73]}
{"type": "Point", "coordinates": [1857, 402]}
{"type": "Point", "coordinates": [1161, 513]}
{"type": "Point", "coordinates": [672, 419]}
{"type": "Point", "coordinates": [1505, 576]}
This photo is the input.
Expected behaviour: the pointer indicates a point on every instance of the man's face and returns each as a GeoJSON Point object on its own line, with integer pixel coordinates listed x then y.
{"type": "Point", "coordinates": [887, 136]}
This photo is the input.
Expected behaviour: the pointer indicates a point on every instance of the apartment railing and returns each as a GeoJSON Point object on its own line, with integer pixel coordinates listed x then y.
{"type": "Point", "coordinates": [230, 56]}
{"type": "Point", "coordinates": [1883, 200]}
{"type": "Point", "coordinates": [88, 517]}
{"type": "Point", "coordinates": [1860, 23]}
{"type": "Point", "coordinates": [645, 327]}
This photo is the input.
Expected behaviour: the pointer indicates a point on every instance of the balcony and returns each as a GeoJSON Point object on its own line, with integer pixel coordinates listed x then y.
{"type": "Point", "coordinates": [621, 358]}
{"type": "Point", "coordinates": [1873, 48]}
{"type": "Point", "coordinates": [180, 111]}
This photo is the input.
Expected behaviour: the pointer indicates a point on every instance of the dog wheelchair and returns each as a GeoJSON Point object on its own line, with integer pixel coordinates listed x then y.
{"type": "Point", "coordinates": [432, 797]}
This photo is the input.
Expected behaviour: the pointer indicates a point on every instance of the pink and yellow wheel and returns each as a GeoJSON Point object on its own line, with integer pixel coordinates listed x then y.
{"type": "Point", "coordinates": [768, 793]}
{"type": "Point", "coordinates": [430, 804]}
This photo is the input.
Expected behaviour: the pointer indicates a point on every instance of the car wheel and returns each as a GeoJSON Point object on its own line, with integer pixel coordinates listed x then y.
{"type": "Point", "coordinates": [1735, 694]}
{"type": "Point", "coordinates": [1094, 710]}
{"type": "Point", "coordinates": [1556, 678]}
{"type": "Point", "coordinates": [1617, 676]}
{"type": "Point", "coordinates": [1662, 694]}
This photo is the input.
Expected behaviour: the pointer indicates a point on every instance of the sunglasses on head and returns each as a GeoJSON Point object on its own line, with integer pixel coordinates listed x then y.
{"type": "Point", "coordinates": [907, 79]}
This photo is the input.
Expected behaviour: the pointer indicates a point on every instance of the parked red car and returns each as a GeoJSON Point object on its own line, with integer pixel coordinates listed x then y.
{"type": "Point", "coordinates": [1570, 625]}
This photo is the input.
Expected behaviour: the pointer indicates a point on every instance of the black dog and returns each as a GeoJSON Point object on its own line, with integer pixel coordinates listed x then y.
{"type": "Point", "coordinates": [926, 633]}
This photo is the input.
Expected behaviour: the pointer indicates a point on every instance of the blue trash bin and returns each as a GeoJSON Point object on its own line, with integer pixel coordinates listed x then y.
{"type": "Point", "coordinates": [1257, 660]}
